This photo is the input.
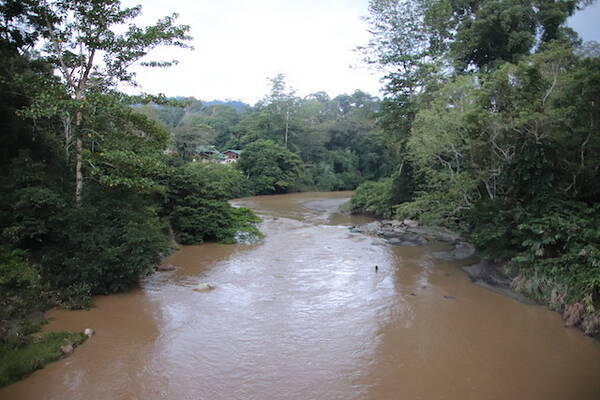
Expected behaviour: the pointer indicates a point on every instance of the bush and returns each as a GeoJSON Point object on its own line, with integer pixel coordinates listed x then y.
{"type": "Point", "coordinates": [210, 220]}
{"type": "Point", "coordinates": [201, 220]}
{"type": "Point", "coordinates": [552, 244]}
{"type": "Point", "coordinates": [562, 246]}
{"type": "Point", "coordinates": [270, 168]}
{"type": "Point", "coordinates": [196, 203]}
{"type": "Point", "coordinates": [104, 245]}
{"type": "Point", "coordinates": [373, 198]}
{"type": "Point", "coordinates": [20, 284]}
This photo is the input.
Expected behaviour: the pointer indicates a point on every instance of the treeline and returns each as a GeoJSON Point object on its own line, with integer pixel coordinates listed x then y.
{"type": "Point", "coordinates": [492, 110]}
{"type": "Point", "coordinates": [289, 143]}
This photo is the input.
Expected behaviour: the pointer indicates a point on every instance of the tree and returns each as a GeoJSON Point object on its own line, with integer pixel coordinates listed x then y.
{"type": "Point", "coordinates": [485, 33]}
{"type": "Point", "coordinates": [80, 39]}
{"type": "Point", "coordinates": [196, 202]}
{"type": "Point", "coordinates": [222, 118]}
{"type": "Point", "coordinates": [280, 103]}
{"type": "Point", "coordinates": [406, 46]}
{"type": "Point", "coordinates": [271, 168]}
{"type": "Point", "coordinates": [191, 134]}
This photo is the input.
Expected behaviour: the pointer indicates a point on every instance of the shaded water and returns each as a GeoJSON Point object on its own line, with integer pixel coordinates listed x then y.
{"type": "Point", "coordinates": [304, 315]}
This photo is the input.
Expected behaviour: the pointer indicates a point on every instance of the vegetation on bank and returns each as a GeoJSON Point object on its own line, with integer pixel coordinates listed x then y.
{"type": "Point", "coordinates": [21, 359]}
{"type": "Point", "coordinates": [494, 124]}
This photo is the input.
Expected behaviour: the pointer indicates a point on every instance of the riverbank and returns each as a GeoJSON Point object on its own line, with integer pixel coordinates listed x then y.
{"type": "Point", "coordinates": [497, 277]}
{"type": "Point", "coordinates": [33, 352]}
{"type": "Point", "coordinates": [24, 349]}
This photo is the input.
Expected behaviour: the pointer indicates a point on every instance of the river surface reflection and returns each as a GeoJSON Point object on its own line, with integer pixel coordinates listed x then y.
{"type": "Point", "coordinates": [303, 315]}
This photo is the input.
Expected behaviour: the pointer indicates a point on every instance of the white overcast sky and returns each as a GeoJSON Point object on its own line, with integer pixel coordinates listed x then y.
{"type": "Point", "coordinates": [240, 43]}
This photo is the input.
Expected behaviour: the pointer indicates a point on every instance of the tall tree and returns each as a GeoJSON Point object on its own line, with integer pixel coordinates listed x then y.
{"type": "Point", "coordinates": [281, 102]}
{"type": "Point", "coordinates": [270, 168]}
{"type": "Point", "coordinates": [81, 39]}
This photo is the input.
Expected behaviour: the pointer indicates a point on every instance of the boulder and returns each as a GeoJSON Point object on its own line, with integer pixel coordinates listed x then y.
{"type": "Point", "coordinates": [460, 251]}
{"type": "Point", "coordinates": [396, 224]}
{"type": "Point", "coordinates": [67, 349]}
{"type": "Point", "coordinates": [89, 332]}
{"type": "Point", "coordinates": [591, 325]}
{"type": "Point", "coordinates": [488, 272]}
{"type": "Point", "coordinates": [407, 233]}
{"type": "Point", "coordinates": [371, 227]}
{"type": "Point", "coordinates": [166, 267]}
{"type": "Point", "coordinates": [395, 241]}
{"type": "Point", "coordinates": [436, 234]}
{"type": "Point", "coordinates": [242, 237]}
{"type": "Point", "coordinates": [573, 314]}
{"type": "Point", "coordinates": [463, 250]}
{"type": "Point", "coordinates": [407, 239]}
{"type": "Point", "coordinates": [204, 287]}
{"type": "Point", "coordinates": [411, 223]}
{"type": "Point", "coordinates": [489, 275]}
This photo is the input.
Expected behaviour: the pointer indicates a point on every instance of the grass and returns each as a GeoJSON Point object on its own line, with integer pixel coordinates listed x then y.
{"type": "Point", "coordinates": [16, 362]}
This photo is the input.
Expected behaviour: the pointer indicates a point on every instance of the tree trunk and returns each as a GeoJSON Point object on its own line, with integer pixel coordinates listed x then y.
{"type": "Point", "coordinates": [78, 161]}
{"type": "Point", "coordinates": [67, 128]}
{"type": "Point", "coordinates": [287, 125]}
{"type": "Point", "coordinates": [78, 173]}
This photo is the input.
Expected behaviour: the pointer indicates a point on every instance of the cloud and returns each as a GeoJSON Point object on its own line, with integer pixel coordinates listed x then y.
{"type": "Point", "coordinates": [238, 44]}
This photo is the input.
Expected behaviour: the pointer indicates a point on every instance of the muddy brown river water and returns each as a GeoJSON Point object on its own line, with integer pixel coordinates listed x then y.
{"type": "Point", "coordinates": [303, 315]}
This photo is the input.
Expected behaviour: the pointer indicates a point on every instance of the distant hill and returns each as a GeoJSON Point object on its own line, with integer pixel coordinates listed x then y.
{"type": "Point", "coordinates": [239, 106]}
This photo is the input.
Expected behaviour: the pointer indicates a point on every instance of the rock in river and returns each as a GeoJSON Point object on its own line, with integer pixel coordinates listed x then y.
{"type": "Point", "coordinates": [407, 233]}
{"type": "Point", "coordinates": [67, 349]}
{"type": "Point", "coordinates": [204, 287]}
{"type": "Point", "coordinates": [490, 276]}
{"type": "Point", "coordinates": [460, 251]}
{"type": "Point", "coordinates": [166, 267]}
{"type": "Point", "coordinates": [89, 332]}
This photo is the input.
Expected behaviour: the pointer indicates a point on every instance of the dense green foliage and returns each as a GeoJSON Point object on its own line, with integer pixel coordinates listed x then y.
{"type": "Point", "coordinates": [196, 202]}
{"type": "Point", "coordinates": [492, 111]}
{"type": "Point", "coordinates": [20, 283]}
{"type": "Point", "coordinates": [373, 198]}
{"type": "Point", "coordinates": [270, 168]}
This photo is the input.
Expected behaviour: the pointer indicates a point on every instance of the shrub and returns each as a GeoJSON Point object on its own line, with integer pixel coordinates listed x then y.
{"type": "Point", "coordinates": [104, 245]}
{"type": "Point", "coordinates": [20, 284]}
{"type": "Point", "coordinates": [552, 244]}
{"type": "Point", "coordinates": [374, 198]}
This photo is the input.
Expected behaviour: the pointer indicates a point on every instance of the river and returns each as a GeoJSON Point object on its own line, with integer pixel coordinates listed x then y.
{"type": "Point", "coordinates": [304, 315]}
